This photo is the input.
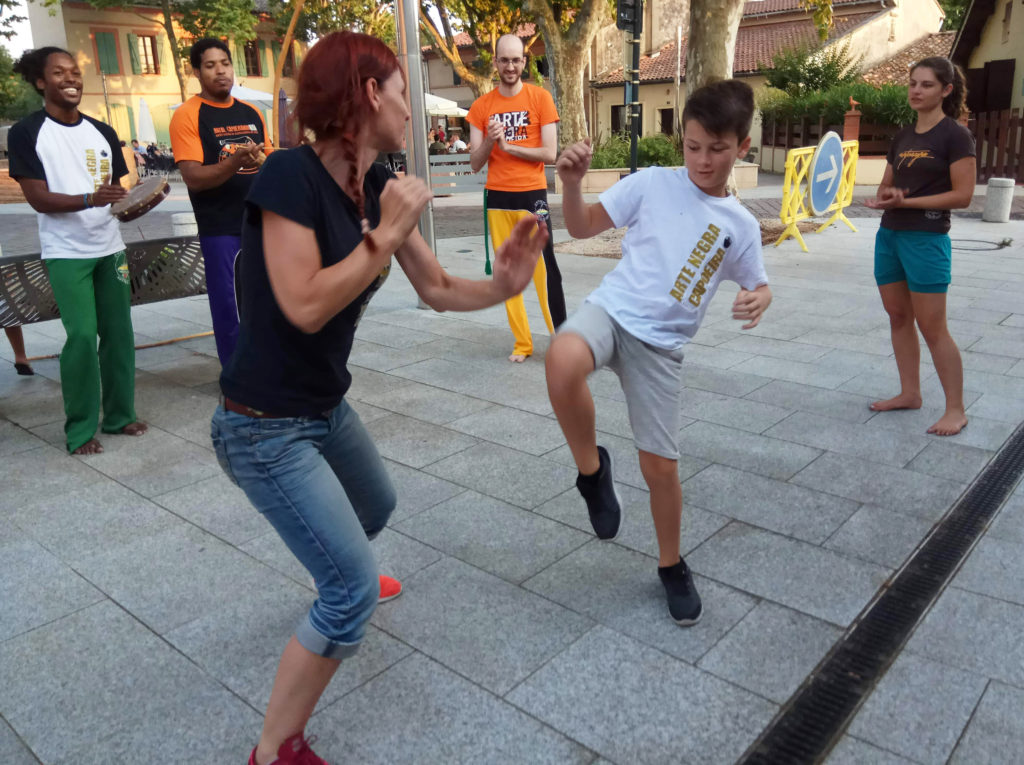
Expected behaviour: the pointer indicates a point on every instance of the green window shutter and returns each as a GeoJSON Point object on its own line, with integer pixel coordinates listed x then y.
{"type": "Point", "coordinates": [106, 46]}
{"type": "Point", "coordinates": [298, 56]}
{"type": "Point", "coordinates": [131, 123]}
{"type": "Point", "coordinates": [275, 48]}
{"type": "Point", "coordinates": [133, 53]}
{"type": "Point", "coordinates": [263, 59]}
{"type": "Point", "coordinates": [239, 60]}
{"type": "Point", "coordinates": [161, 45]}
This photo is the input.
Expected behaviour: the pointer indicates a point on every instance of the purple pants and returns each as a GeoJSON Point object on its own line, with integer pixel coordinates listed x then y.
{"type": "Point", "coordinates": [219, 260]}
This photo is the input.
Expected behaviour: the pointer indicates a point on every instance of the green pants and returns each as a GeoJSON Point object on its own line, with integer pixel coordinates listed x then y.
{"type": "Point", "coordinates": [93, 296]}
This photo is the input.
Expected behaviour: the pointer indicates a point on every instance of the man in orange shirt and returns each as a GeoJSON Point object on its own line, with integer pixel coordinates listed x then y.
{"type": "Point", "coordinates": [218, 143]}
{"type": "Point", "coordinates": [513, 130]}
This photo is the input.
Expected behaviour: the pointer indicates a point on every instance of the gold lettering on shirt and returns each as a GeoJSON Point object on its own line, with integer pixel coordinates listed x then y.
{"type": "Point", "coordinates": [913, 155]}
{"type": "Point", "coordinates": [695, 264]}
{"type": "Point", "coordinates": [91, 166]}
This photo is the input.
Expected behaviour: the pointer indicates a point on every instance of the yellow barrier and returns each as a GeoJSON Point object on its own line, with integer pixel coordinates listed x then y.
{"type": "Point", "coordinates": [795, 189]}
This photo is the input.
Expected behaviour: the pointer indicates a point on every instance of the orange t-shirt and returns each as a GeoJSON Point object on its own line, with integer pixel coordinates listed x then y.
{"type": "Point", "coordinates": [523, 115]}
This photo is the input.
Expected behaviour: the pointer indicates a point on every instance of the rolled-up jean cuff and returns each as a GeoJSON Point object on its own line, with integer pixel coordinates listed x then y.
{"type": "Point", "coordinates": [316, 643]}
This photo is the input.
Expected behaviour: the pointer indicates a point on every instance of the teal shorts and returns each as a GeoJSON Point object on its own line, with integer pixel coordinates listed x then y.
{"type": "Point", "coordinates": [922, 259]}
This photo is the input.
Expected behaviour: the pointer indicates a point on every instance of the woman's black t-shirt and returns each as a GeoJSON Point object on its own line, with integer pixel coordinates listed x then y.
{"type": "Point", "coordinates": [920, 164]}
{"type": "Point", "coordinates": [276, 367]}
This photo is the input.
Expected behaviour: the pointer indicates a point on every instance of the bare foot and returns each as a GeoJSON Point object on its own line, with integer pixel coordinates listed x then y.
{"type": "Point", "coordinates": [902, 401]}
{"type": "Point", "coordinates": [92, 446]}
{"type": "Point", "coordinates": [949, 424]}
{"type": "Point", "coordinates": [517, 358]}
{"type": "Point", "coordinates": [134, 429]}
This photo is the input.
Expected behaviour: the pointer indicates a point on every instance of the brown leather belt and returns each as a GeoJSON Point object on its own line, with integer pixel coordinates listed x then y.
{"type": "Point", "coordinates": [248, 411]}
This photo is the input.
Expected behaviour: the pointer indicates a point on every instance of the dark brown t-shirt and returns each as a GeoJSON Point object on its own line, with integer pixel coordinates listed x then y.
{"type": "Point", "coordinates": [920, 164]}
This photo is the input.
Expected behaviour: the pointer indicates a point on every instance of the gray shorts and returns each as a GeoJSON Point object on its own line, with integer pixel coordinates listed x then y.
{"type": "Point", "coordinates": [651, 377]}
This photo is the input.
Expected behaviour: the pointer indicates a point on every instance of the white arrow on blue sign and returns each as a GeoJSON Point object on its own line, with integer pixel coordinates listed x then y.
{"type": "Point", "coordinates": [825, 172]}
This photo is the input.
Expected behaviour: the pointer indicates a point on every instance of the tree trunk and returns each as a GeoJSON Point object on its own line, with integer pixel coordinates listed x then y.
{"type": "Point", "coordinates": [566, 48]}
{"type": "Point", "coordinates": [567, 77]}
{"type": "Point", "coordinates": [711, 42]}
{"type": "Point", "coordinates": [172, 39]}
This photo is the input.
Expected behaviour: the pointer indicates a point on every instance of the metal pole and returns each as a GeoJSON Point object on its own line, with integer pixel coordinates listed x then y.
{"type": "Point", "coordinates": [106, 98]}
{"type": "Point", "coordinates": [634, 106]}
{"type": "Point", "coordinates": [677, 115]}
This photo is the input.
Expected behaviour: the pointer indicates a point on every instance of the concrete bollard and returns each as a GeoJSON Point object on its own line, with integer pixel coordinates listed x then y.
{"type": "Point", "coordinates": [184, 224]}
{"type": "Point", "coordinates": [998, 199]}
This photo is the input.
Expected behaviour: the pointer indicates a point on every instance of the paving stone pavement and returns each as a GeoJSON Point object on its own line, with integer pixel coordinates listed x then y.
{"type": "Point", "coordinates": [144, 604]}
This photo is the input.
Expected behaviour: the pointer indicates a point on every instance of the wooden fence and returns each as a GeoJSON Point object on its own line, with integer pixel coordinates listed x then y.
{"type": "Point", "coordinates": [999, 137]}
{"type": "Point", "coordinates": [795, 134]}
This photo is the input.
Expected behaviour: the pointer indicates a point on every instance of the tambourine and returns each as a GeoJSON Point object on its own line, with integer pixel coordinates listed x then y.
{"type": "Point", "coordinates": [141, 198]}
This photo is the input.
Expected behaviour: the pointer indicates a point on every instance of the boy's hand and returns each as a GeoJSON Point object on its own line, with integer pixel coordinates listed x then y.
{"type": "Point", "coordinates": [750, 306]}
{"type": "Point", "coordinates": [574, 162]}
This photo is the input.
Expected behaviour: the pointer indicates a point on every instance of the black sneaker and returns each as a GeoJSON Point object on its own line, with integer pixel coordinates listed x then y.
{"type": "Point", "coordinates": [683, 601]}
{"type": "Point", "coordinates": [602, 499]}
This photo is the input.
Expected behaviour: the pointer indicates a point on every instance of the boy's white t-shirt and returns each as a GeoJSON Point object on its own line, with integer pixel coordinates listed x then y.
{"type": "Point", "coordinates": [680, 244]}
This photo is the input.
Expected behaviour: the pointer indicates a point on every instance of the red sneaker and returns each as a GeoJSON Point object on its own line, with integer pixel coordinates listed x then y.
{"type": "Point", "coordinates": [389, 588]}
{"type": "Point", "coordinates": [294, 751]}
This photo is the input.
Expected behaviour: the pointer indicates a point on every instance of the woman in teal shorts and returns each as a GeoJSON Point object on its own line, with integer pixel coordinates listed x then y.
{"type": "Point", "coordinates": [930, 171]}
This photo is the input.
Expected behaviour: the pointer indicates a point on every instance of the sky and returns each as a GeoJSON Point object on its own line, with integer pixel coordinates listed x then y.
{"type": "Point", "coordinates": [22, 39]}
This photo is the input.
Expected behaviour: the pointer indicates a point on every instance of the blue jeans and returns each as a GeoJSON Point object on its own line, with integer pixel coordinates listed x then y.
{"type": "Point", "coordinates": [323, 486]}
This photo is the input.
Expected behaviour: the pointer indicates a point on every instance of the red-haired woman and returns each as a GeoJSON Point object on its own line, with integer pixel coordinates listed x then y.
{"type": "Point", "coordinates": [931, 170]}
{"type": "Point", "coordinates": [322, 223]}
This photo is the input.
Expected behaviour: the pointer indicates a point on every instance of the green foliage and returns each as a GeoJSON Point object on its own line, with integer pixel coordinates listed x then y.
{"type": "Point", "coordinates": [17, 98]}
{"type": "Point", "coordinates": [955, 11]}
{"type": "Point", "coordinates": [805, 69]}
{"type": "Point", "coordinates": [321, 17]}
{"type": "Point", "coordinates": [885, 105]}
{"type": "Point", "coordinates": [613, 152]}
{"type": "Point", "coordinates": [233, 19]}
{"type": "Point", "coordinates": [8, 18]}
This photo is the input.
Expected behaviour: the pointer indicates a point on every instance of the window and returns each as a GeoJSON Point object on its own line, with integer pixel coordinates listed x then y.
{"type": "Point", "coordinates": [619, 124]}
{"type": "Point", "coordinates": [106, 53]}
{"type": "Point", "coordinates": [542, 66]}
{"type": "Point", "coordinates": [666, 120]}
{"type": "Point", "coordinates": [146, 49]}
{"type": "Point", "coordinates": [251, 53]}
{"type": "Point", "coordinates": [289, 61]}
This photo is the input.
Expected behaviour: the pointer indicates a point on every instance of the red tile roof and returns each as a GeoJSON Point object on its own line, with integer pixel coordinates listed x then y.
{"type": "Point", "coordinates": [897, 67]}
{"type": "Point", "coordinates": [755, 47]}
{"type": "Point", "coordinates": [463, 40]}
{"type": "Point", "coordinates": [759, 7]}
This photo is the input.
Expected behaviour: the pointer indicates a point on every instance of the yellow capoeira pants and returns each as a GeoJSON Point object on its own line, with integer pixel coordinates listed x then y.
{"type": "Point", "coordinates": [504, 210]}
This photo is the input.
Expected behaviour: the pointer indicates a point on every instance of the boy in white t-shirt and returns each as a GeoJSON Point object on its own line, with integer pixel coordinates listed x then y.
{"type": "Point", "coordinates": [686, 234]}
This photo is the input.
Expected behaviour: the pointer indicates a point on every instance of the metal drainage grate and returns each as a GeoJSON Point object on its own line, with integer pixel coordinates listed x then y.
{"type": "Point", "coordinates": [816, 715]}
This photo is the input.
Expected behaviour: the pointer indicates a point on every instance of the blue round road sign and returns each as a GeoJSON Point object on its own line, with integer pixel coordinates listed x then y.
{"type": "Point", "coordinates": [825, 173]}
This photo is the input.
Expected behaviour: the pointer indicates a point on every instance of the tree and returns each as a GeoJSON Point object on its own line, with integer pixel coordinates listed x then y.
{"type": "Point", "coordinates": [955, 11]}
{"type": "Point", "coordinates": [318, 18]}
{"type": "Point", "coordinates": [484, 21]}
{"type": "Point", "coordinates": [808, 68]}
{"type": "Point", "coordinates": [569, 27]}
{"type": "Point", "coordinates": [711, 40]}
{"type": "Point", "coordinates": [8, 17]}
{"type": "Point", "coordinates": [17, 98]}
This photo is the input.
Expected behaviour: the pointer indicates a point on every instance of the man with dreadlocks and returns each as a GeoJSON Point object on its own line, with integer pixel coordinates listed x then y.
{"type": "Point", "coordinates": [68, 166]}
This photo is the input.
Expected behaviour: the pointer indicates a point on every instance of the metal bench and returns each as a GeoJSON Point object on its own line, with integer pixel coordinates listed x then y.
{"type": "Point", "coordinates": [160, 269]}
{"type": "Point", "coordinates": [452, 174]}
